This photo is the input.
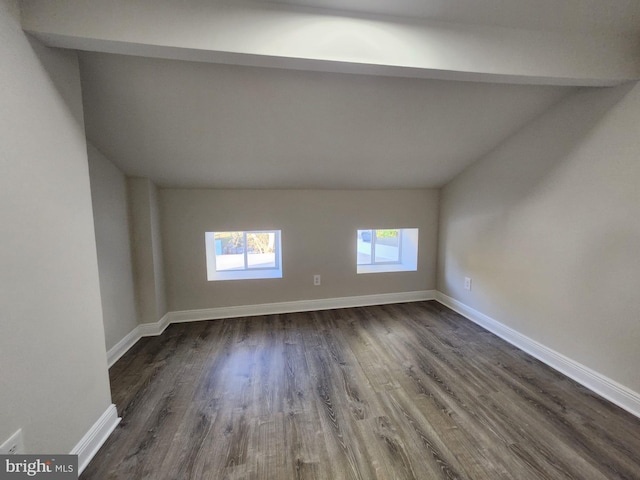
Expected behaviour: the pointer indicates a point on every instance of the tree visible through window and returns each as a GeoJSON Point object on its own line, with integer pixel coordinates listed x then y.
{"type": "Point", "coordinates": [387, 250]}
{"type": "Point", "coordinates": [245, 250]}
{"type": "Point", "coordinates": [243, 255]}
{"type": "Point", "coordinates": [379, 246]}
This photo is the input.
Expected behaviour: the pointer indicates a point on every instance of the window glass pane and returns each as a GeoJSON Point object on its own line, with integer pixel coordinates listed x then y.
{"type": "Point", "coordinates": [229, 251]}
{"type": "Point", "coordinates": [261, 250]}
{"type": "Point", "coordinates": [393, 250]}
{"type": "Point", "coordinates": [245, 255]}
{"type": "Point", "coordinates": [387, 245]}
{"type": "Point", "coordinates": [364, 247]}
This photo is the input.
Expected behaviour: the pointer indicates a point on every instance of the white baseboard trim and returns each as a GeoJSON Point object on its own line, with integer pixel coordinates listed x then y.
{"type": "Point", "coordinates": [594, 381]}
{"type": "Point", "coordinates": [120, 348]}
{"type": "Point", "coordinates": [598, 383]}
{"type": "Point", "coordinates": [89, 445]}
{"type": "Point", "coordinates": [143, 330]}
{"type": "Point", "coordinates": [299, 306]}
{"type": "Point", "coordinates": [152, 329]}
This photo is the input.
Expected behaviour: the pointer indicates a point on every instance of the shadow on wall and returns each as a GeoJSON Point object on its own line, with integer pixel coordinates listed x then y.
{"type": "Point", "coordinates": [66, 86]}
{"type": "Point", "coordinates": [493, 188]}
{"type": "Point", "coordinates": [517, 166]}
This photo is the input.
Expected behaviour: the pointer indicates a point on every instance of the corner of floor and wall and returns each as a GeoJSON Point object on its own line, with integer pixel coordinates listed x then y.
{"type": "Point", "coordinates": [547, 230]}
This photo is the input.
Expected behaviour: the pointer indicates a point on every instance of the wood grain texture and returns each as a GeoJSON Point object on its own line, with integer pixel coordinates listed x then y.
{"type": "Point", "coordinates": [406, 391]}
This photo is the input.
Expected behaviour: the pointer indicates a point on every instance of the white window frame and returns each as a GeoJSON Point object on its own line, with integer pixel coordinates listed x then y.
{"type": "Point", "coordinates": [373, 247]}
{"type": "Point", "coordinates": [407, 252]}
{"type": "Point", "coordinates": [248, 272]}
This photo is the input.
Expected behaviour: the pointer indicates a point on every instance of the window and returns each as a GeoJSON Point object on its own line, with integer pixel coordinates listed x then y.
{"type": "Point", "coordinates": [243, 255]}
{"type": "Point", "coordinates": [376, 247]}
{"type": "Point", "coordinates": [387, 250]}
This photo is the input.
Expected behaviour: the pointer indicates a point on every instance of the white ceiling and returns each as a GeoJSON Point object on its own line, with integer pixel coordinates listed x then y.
{"type": "Point", "coordinates": [187, 124]}
{"type": "Point", "coordinates": [554, 15]}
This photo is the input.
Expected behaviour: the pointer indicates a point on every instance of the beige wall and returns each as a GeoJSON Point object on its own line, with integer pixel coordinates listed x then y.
{"type": "Point", "coordinates": [111, 219]}
{"type": "Point", "coordinates": [548, 228]}
{"type": "Point", "coordinates": [53, 373]}
{"type": "Point", "coordinates": [318, 237]}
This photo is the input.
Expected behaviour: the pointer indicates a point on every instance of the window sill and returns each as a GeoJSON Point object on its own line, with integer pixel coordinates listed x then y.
{"type": "Point", "coordinates": [245, 275]}
{"type": "Point", "coordinates": [396, 267]}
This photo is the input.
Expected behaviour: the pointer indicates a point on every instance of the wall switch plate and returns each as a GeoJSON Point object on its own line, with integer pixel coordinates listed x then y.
{"type": "Point", "coordinates": [316, 280]}
{"type": "Point", "coordinates": [14, 445]}
{"type": "Point", "coordinates": [467, 283]}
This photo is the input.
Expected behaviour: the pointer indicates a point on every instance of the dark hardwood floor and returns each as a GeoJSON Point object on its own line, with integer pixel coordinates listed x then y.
{"type": "Point", "coordinates": [391, 392]}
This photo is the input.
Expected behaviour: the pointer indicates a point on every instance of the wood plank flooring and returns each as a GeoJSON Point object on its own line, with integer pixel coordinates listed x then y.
{"type": "Point", "coordinates": [406, 391]}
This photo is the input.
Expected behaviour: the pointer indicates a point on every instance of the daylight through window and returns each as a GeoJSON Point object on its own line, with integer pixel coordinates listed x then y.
{"type": "Point", "coordinates": [379, 246]}
{"type": "Point", "coordinates": [243, 254]}
{"type": "Point", "coordinates": [387, 250]}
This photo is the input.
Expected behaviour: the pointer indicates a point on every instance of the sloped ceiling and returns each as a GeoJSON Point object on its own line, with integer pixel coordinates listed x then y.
{"type": "Point", "coordinates": [187, 124]}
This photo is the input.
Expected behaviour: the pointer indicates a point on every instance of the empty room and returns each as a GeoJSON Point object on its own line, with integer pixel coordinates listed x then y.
{"type": "Point", "coordinates": [320, 239]}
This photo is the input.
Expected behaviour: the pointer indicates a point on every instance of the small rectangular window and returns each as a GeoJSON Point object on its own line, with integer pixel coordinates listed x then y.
{"type": "Point", "coordinates": [379, 246]}
{"type": "Point", "coordinates": [387, 250]}
{"type": "Point", "coordinates": [243, 255]}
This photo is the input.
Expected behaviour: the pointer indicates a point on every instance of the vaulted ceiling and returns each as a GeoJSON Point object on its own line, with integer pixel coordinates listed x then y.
{"type": "Point", "coordinates": [327, 93]}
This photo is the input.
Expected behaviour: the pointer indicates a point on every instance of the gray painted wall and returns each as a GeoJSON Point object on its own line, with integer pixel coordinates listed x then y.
{"type": "Point", "coordinates": [110, 214]}
{"type": "Point", "coordinates": [146, 241]}
{"type": "Point", "coordinates": [156, 247]}
{"type": "Point", "coordinates": [54, 367]}
{"type": "Point", "coordinates": [318, 237]}
{"type": "Point", "coordinates": [548, 228]}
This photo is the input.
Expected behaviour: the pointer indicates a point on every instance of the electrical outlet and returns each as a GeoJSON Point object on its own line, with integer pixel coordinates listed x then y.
{"type": "Point", "coordinates": [14, 445]}
{"type": "Point", "coordinates": [467, 283]}
{"type": "Point", "coordinates": [316, 280]}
